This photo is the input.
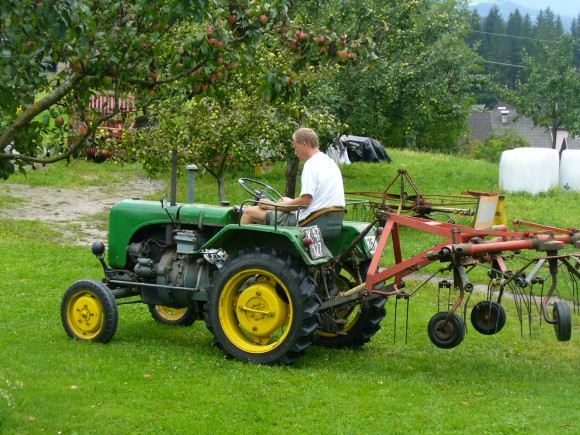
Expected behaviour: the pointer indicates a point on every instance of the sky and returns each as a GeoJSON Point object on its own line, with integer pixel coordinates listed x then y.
{"type": "Point", "coordinates": [569, 8]}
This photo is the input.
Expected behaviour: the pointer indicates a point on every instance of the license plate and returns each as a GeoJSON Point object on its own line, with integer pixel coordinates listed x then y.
{"type": "Point", "coordinates": [371, 243]}
{"type": "Point", "coordinates": [316, 248]}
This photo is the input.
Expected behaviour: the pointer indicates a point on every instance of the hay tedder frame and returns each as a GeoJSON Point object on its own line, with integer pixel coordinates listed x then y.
{"type": "Point", "coordinates": [542, 254]}
{"type": "Point", "coordinates": [402, 196]}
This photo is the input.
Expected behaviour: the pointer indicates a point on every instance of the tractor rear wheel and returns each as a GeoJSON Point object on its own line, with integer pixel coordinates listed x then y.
{"type": "Point", "coordinates": [173, 316]}
{"type": "Point", "coordinates": [89, 311]}
{"type": "Point", "coordinates": [262, 307]}
{"type": "Point", "coordinates": [362, 319]}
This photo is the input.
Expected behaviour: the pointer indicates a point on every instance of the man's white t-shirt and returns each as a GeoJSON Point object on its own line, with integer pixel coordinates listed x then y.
{"type": "Point", "coordinates": [321, 178]}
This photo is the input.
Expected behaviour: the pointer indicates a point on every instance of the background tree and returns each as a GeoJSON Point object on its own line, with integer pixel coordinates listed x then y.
{"type": "Point", "coordinates": [548, 25]}
{"type": "Point", "coordinates": [495, 46]}
{"type": "Point", "coordinates": [515, 28]}
{"type": "Point", "coordinates": [417, 88]}
{"type": "Point", "coordinates": [244, 118]}
{"type": "Point", "coordinates": [501, 44]}
{"type": "Point", "coordinates": [120, 48]}
{"type": "Point", "coordinates": [494, 145]}
{"type": "Point", "coordinates": [225, 134]}
{"type": "Point", "coordinates": [550, 95]}
{"type": "Point", "coordinates": [575, 34]}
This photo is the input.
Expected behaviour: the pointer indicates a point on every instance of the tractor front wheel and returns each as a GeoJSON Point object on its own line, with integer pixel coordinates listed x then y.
{"type": "Point", "coordinates": [89, 311]}
{"type": "Point", "coordinates": [262, 307]}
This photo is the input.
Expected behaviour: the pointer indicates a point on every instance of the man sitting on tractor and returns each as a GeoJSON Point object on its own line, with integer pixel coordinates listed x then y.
{"type": "Point", "coordinates": [321, 186]}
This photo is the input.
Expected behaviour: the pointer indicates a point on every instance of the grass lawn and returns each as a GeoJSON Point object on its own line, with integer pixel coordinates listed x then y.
{"type": "Point", "coordinates": [154, 378]}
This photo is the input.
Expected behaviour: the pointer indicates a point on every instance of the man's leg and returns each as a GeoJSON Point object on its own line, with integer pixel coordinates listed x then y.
{"type": "Point", "coordinates": [253, 215]}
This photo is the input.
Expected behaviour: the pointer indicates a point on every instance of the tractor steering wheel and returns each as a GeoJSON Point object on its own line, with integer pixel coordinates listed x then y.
{"type": "Point", "coordinates": [259, 190]}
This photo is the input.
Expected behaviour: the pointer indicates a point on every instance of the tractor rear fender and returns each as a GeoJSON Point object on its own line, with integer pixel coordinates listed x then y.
{"type": "Point", "coordinates": [365, 249]}
{"type": "Point", "coordinates": [293, 240]}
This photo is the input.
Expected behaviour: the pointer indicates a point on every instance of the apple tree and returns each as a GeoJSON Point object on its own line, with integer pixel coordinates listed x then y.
{"type": "Point", "coordinates": [417, 88]}
{"type": "Point", "coordinates": [112, 47]}
{"type": "Point", "coordinates": [243, 115]}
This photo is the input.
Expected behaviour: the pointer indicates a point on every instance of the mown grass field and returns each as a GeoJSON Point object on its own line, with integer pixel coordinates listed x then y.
{"type": "Point", "coordinates": [153, 378]}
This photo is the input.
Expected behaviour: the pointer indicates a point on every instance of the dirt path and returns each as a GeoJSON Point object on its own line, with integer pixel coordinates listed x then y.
{"type": "Point", "coordinates": [79, 214]}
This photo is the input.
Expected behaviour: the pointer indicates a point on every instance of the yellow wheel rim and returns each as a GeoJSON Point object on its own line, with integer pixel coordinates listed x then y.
{"type": "Point", "coordinates": [351, 314]}
{"type": "Point", "coordinates": [170, 314]}
{"type": "Point", "coordinates": [254, 311]}
{"type": "Point", "coordinates": [84, 313]}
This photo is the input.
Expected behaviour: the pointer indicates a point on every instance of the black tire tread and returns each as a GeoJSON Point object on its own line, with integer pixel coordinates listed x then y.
{"type": "Point", "coordinates": [458, 327]}
{"type": "Point", "coordinates": [563, 325]}
{"type": "Point", "coordinates": [368, 324]}
{"type": "Point", "coordinates": [308, 303]}
{"type": "Point", "coordinates": [110, 309]}
{"type": "Point", "coordinates": [480, 325]}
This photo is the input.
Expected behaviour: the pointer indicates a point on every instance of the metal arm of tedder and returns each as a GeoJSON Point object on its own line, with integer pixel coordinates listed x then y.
{"type": "Point", "coordinates": [463, 245]}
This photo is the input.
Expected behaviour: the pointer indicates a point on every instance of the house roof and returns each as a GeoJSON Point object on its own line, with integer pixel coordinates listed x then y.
{"type": "Point", "coordinates": [483, 122]}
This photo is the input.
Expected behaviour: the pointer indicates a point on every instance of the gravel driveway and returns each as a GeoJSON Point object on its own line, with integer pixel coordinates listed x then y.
{"type": "Point", "coordinates": [80, 214]}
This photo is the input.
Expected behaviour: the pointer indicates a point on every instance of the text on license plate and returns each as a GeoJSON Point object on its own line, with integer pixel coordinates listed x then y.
{"type": "Point", "coordinates": [316, 248]}
{"type": "Point", "coordinates": [371, 243]}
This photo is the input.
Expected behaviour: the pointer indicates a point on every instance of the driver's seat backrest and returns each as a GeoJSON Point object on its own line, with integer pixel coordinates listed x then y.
{"type": "Point", "coordinates": [329, 220]}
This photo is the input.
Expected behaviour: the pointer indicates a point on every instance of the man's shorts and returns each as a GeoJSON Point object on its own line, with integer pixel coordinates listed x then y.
{"type": "Point", "coordinates": [285, 218]}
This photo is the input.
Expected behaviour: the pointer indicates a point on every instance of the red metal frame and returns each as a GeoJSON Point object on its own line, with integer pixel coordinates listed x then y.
{"type": "Point", "coordinates": [463, 245]}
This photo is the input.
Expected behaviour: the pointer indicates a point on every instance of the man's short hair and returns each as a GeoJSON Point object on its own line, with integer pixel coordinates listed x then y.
{"type": "Point", "coordinates": [308, 135]}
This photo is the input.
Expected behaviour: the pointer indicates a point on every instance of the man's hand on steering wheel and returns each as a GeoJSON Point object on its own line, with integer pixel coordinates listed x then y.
{"type": "Point", "coordinates": [259, 190]}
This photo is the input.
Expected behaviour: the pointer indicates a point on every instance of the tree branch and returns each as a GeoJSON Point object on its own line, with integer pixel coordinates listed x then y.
{"type": "Point", "coordinates": [38, 107]}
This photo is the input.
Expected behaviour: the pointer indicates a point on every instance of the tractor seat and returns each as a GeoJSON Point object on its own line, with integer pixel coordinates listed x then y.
{"type": "Point", "coordinates": [329, 220]}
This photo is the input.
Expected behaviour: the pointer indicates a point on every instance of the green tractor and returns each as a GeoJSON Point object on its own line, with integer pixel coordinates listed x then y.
{"type": "Point", "coordinates": [266, 293]}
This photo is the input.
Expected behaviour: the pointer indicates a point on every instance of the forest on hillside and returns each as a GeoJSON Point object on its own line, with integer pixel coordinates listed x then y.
{"type": "Point", "coordinates": [502, 41]}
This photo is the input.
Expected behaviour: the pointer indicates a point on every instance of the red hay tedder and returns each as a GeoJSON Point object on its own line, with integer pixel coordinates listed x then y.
{"type": "Point", "coordinates": [542, 254]}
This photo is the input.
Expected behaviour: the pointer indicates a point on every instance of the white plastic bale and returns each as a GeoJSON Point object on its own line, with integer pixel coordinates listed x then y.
{"type": "Point", "coordinates": [531, 170]}
{"type": "Point", "coordinates": [570, 170]}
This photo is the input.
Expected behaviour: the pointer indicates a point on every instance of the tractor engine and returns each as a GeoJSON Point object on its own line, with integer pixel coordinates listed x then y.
{"type": "Point", "coordinates": [176, 269]}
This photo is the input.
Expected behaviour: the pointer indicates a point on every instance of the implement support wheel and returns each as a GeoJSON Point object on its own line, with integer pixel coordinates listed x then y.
{"type": "Point", "coordinates": [563, 319]}
{"type": "Point", "coordinates": [444, 333]}
{"type": "Point", "coordinates": [488, 317]}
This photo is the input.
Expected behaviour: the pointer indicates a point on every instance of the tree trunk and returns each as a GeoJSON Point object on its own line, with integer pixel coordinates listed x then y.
{"type": "Point", "coordinates": [291, 176]}
{"type": "Point", "coordinates": [554, 135]}
{"type": "Point", "coordinates": [38, 107]}
{"type": "Point", "coordinates": [221, 186]}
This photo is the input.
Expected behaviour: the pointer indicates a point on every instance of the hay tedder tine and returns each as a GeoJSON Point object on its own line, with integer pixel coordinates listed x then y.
{"type": "Point", "coordinates": [574, 273]}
